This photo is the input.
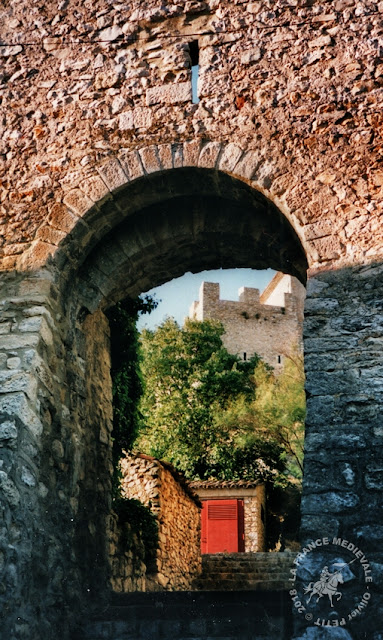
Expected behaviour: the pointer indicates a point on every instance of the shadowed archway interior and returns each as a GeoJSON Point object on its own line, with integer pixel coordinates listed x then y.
{"type": "Point", "coordinates": [167, 223]}
{"type": "Point", "coordinates": [145, 233]}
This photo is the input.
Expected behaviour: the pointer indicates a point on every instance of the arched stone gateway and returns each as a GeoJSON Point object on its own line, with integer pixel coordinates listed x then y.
{"type": "Point", "coordinates": [114, 181]}
{"type": "Point", "coordinates": [57, 402]}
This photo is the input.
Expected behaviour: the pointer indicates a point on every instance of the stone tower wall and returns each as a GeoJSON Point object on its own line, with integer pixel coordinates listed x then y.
{"type": "Point", "coordinates": [252, 326]}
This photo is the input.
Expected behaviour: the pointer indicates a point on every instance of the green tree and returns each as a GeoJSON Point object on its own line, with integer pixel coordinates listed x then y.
{"type": "Point", "coordinates": [190, 378]}
{"type": "Point", "coordinates": [275, 415]}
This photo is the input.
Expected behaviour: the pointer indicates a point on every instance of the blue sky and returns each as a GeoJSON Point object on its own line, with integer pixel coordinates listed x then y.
{"type": "Point", "coordinates": [178, 294]}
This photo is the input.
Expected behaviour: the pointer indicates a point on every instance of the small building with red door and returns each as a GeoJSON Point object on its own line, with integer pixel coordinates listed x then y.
{"type": "Point", "coordinates": [233, 515]}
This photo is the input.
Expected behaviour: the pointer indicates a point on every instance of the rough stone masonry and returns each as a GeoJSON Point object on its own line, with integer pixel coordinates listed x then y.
{"type": "Point", "coordinates": [113, 181]}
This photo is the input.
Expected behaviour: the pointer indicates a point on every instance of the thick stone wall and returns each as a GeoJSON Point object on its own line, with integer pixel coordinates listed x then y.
{"type": "Point", "coordinates": [294, 88]}
{"type": "Point", "coordinates": [127, 557]}
{"type": "Point", "coordinates": [157, 485]}
{"type": "Point", "coordinates": [113, 181]}
{"type": "Point", "coordinates": [343, 445]}
{"type": "Point", "coordinates": [252, 327]}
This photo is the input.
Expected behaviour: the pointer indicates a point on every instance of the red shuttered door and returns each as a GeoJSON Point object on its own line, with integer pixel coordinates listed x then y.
{"type": "Point", "coordinates": [222, 526]}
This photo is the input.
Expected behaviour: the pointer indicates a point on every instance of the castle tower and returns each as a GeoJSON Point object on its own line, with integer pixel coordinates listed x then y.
{"type": "Point", "coordinates": [269, 324]}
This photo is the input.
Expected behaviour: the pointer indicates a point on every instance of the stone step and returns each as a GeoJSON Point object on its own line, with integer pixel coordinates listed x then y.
{"type": "Point", "coordinates": [246, 567]}
{"type": "Point", "coordinates": [261, 585]}
{"type": "Point", "coordinates": [203, 637]}
{"type": "Point", "coordinates": [240, 572]}
{"type": "Point", "coordinates": [243, 572]}
{"type": "Point", "coordinates": [192, 616]}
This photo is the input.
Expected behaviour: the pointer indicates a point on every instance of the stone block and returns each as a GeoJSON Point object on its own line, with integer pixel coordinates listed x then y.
{"type": "Point", "coordinates": [248, 164]}
{"type": "Point", "coordinates": [9, 489]}
{"type": "Point", "coordinates": [325, 383]}
{"type": "Point", "coordinates": [253, 55]}
{"type": "Point", "coordinates": [165, 155]}
{"type": "Point", "coordinates": [169, 94]}
{"type": "Point", "coordinates": [36, 256]}
{"type": "Point", "coordinates": [60, 218]}
{"type": "Point", "coordinates": [110, 34]}
{"type": "Point", "coordinates": [315, 287]}
{"type": "Point", "coordinates": [150, 159]}
{"type": "Point", "coordinates": [126, 121]}
{"type": "Point", "coordinates": [27, 477]}
{"type": "Point", "coordinates": [49, 235]}
{"type": "Point", "coordinates": [139, 118]}
{"type": "Point", "coordinates": [5, 327]}
{"type": "Point", "coordinates": [106, 79]}
{"type": "Point", "coordinates": [319, 230]}
{"type": "Point", "coordinates": [321, 305]}
{"type": "Point", "coordinates": [8, 433]}
{"type": "Point", "coordinates": [320, 409]}
{"type": "Point", "coordinates": [113, 174]}
{"type": "Point", "coordinates": [11, 50]}
{"type": "Point", "coordinates": [14, 341]}
{"type": "Point", "coordinates": [229, 157]}
{"type": "Point", "coordinates": [14, 363]}
{"type": "Point", "coordinates": [322, 41]}
{"type": "Point", "coordinates": [347, 472]}
{"type": "Point", "coordinates": [209, 155]}
{"type": "Point", "coordinates": [12, 381]}
{"type": "Point", "coordinates": [323, 633]}
{"type": "Point", "coordinates": [94, 188]}
{"type": "Point", "coordinates": [57, 450]}
{"type": "Point", "coordinates": [374, 477]}
{"type": "Point", "coordinates": [329, 248]}
{"type": "Point", "coordinates": [131, 163]}
{"type": "Point", "coordinates": [16, 404]}
{"type": "Point", "coordinates": [191, 151]}
{"type": "Point", "coordinates": [332, 501]}
{"type": "Point", "coordinates": [77, 202]}
{"type": "Point", "coordinates": [316, 526]}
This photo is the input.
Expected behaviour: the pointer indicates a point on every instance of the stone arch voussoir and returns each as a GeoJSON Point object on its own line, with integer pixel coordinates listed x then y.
{"type": "Point", "coordinates": [88, 190]}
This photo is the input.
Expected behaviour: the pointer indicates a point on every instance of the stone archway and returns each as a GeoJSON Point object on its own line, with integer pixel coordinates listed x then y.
{"type": "Point", "coordinates": [129, 237]}
{"type": "Point", "coordinates": [207, 217]}
{"type": "Point", "coordinates": [165, 224]}
{"type": "Point", "coordinates": [143, 233]}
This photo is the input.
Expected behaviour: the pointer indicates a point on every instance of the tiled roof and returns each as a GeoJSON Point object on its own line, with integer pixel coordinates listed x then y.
{"type": "Point", "coordinates": [224, 484]}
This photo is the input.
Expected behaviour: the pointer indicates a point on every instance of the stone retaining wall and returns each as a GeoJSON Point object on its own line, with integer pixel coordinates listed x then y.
{"type": "Point", "coordinates": [157, 485]}
{"type": "Point", "coordinates": [255, 516]}
{"type": "Point", "coordinates": [127, 557]}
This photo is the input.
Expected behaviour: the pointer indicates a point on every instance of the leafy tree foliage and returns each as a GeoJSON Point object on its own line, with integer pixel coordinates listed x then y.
{"type": "Point", "coordinates": [276, 413]}
{"type": "Point", "coordinates": [215, 416]}
{"type": "Point", "coordinates": [190, 382]}
{"type": "Point", "coordinates": [126, 375]}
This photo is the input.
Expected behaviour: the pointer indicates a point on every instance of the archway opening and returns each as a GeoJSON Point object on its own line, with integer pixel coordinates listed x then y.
{"type": "Point", "coordinates": [151, 231]}
{"type": "Point", "coordinates": [167, 223]}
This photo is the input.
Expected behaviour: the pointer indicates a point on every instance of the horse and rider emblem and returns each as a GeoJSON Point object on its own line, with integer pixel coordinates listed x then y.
{"type": "Point", "coordinates": [327, 585]}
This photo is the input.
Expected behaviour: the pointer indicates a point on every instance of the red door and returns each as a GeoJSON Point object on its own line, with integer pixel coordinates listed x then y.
{"type": "Point", "coordinates": [222, 527]}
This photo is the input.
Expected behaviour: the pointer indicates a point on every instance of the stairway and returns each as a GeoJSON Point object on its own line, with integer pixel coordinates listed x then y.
{"type": "Point", "coordinates": [245, 572]}
{"type": "Point", "coordinates": [188, 615]}
{"type": "Point", "coordinates": [239, 596]}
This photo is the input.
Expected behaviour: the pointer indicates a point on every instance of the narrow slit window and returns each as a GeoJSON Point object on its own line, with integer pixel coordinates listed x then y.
{"type": "Point", "coordinates": [244, 355]}
{"type": "Point", "coordinates": [194, 58]}
{"type": "Point", "coordinates": [279, 359]}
